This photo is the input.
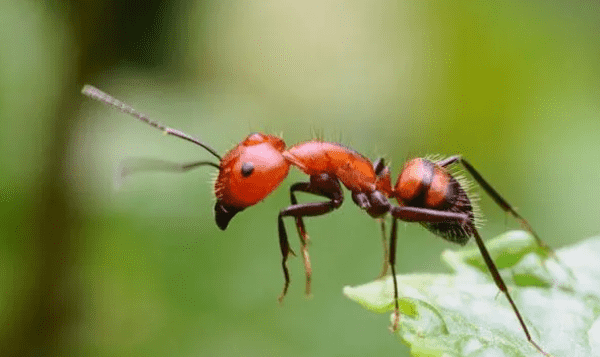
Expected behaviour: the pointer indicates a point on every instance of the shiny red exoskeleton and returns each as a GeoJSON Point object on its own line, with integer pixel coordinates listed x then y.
{"type": "Point", "coordinates": [425, 191]}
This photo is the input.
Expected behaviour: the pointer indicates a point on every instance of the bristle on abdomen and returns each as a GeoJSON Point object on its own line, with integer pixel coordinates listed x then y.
{"type": "Point", "coordinates": [467, 185]}
{"type": "Point", "coordinates": [463, 200]}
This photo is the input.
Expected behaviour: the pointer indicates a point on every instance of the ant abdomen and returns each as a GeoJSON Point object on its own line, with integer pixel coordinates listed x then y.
{"type": "Point", "coordinates": [423, 183]}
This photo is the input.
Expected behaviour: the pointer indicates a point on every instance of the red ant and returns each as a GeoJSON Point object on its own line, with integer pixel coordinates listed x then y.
{"type": "Point", "coordinates": [426, 192]}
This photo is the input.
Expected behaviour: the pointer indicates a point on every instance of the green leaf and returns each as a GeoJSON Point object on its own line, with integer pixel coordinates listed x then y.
{"type": "Point", "coordinates": [465, 314]}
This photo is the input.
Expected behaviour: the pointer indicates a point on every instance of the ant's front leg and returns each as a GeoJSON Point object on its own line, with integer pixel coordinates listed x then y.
{"type": "Point", "coordinates": [321, 185]}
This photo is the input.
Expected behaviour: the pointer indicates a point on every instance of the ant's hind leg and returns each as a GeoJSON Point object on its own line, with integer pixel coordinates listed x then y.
{"type": "Point", "coordinates": [500, 201]}
{"type": "Point", "coordinates": [500, 284]}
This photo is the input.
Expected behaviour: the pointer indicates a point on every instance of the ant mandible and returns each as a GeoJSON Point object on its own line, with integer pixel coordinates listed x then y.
{"type": "Point", "coordinates": [426, 192]}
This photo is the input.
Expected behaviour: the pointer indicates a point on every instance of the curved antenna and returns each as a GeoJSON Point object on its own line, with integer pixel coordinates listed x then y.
{"type": "Point", "coordinates": [106, 98]}
{"type": "Point", "coordinates": [140, 164]}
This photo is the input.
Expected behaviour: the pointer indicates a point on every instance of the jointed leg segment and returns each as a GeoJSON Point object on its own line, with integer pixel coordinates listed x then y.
{"type": "Point", "coordinates": [497, 198]}
{"type": "Point", "coordinates": [321, 185]}
{"type": "Point", "coordinates": [386, 253]}
{"type": "Point", "coordinates": [413, 214]}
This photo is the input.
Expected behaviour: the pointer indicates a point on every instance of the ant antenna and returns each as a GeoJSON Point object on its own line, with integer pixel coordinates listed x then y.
{"type": "Point", "coordinates": [106, 98]}
{"type": "Point", "coordinates": [140, 164]}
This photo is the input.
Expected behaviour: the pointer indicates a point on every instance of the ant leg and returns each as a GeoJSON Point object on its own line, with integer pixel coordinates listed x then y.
{"type": "Point", "coordinates": [417, 214]}
{"type": "Point", "coordinates": [301, 187]}
{"type": "Point", "coordinates": [386, 253]}
{"type": "Point", "coordinates": [497, 198]}
{"type": "Point", "coordinates": [500, 284]}
{"type": "Point", "coordinates": [392, 263]}
{"type": "Point", "coordinates": [413, 214]}
{"type": "Point", "coordinates": [377, 206]}
{"type": "Point", "coordinates": [304, 239]}
{"type": "Point", "coordinates": [507, 208]}
{"type": "Point", "coordinates": [284, 244]}
{"type": "Point", "coordinates": [304, 209]}
{"type": "Point", "coordinates": [322, 185]}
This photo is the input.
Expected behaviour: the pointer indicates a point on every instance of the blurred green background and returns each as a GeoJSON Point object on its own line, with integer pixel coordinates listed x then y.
{"type": "Point", "coordinates": [91, 267]}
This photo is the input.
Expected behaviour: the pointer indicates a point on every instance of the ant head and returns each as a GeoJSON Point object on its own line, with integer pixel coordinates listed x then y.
{"type": "Point", "coordinates": [247, 174]}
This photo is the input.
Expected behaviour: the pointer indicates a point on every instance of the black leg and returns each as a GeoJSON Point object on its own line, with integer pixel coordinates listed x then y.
{"type": "Point", "coordinates": [386, 253]}
{"type": "Point", "coordinates": [304, 239]}
{"type": "Point", "coordinates": [418, 214]}
{"type": "Point", "coordinates": [284, 244]}
{"type": "Point", "coordinates": [497, 198]}
{"type": "Point", "coordinates": [427, 215]}
{"type": "Point", "coordinates": [392, 255]}
{"type": "Point", "coordinates": [302, 187]}
{"type": "Point", "coordinates": [500, 284]}
{"type": "Point", "coordinates": [506, 207]}
{"type": "Point", "coordinates": [414, 214]}
{"type": "Point", "coordinates": [322, 185]}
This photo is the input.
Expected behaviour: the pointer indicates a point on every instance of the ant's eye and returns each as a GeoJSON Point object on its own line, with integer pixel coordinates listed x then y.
{"type": "Point", "coordinates": [247, 169]}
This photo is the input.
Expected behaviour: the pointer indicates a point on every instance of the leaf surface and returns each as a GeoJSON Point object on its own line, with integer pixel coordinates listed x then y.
{"type": "Point", "coordinates": [463, 313]}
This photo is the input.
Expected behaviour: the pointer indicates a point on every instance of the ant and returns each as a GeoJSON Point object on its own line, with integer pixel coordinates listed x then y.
{"type": "Point", "coordinates": [426, 192]}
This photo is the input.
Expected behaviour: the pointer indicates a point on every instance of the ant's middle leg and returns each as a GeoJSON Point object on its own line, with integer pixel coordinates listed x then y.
{"type": "Point", "coordinates": [383, 174]}
{"type": "Point", "coordinates": [386, 253]}
{"type": "Point", "coordinates": [321, 185]}
{"type": "Point", "coordinates": [377, 206]}
{"type": "Point", "coordinates": [414, 214]}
